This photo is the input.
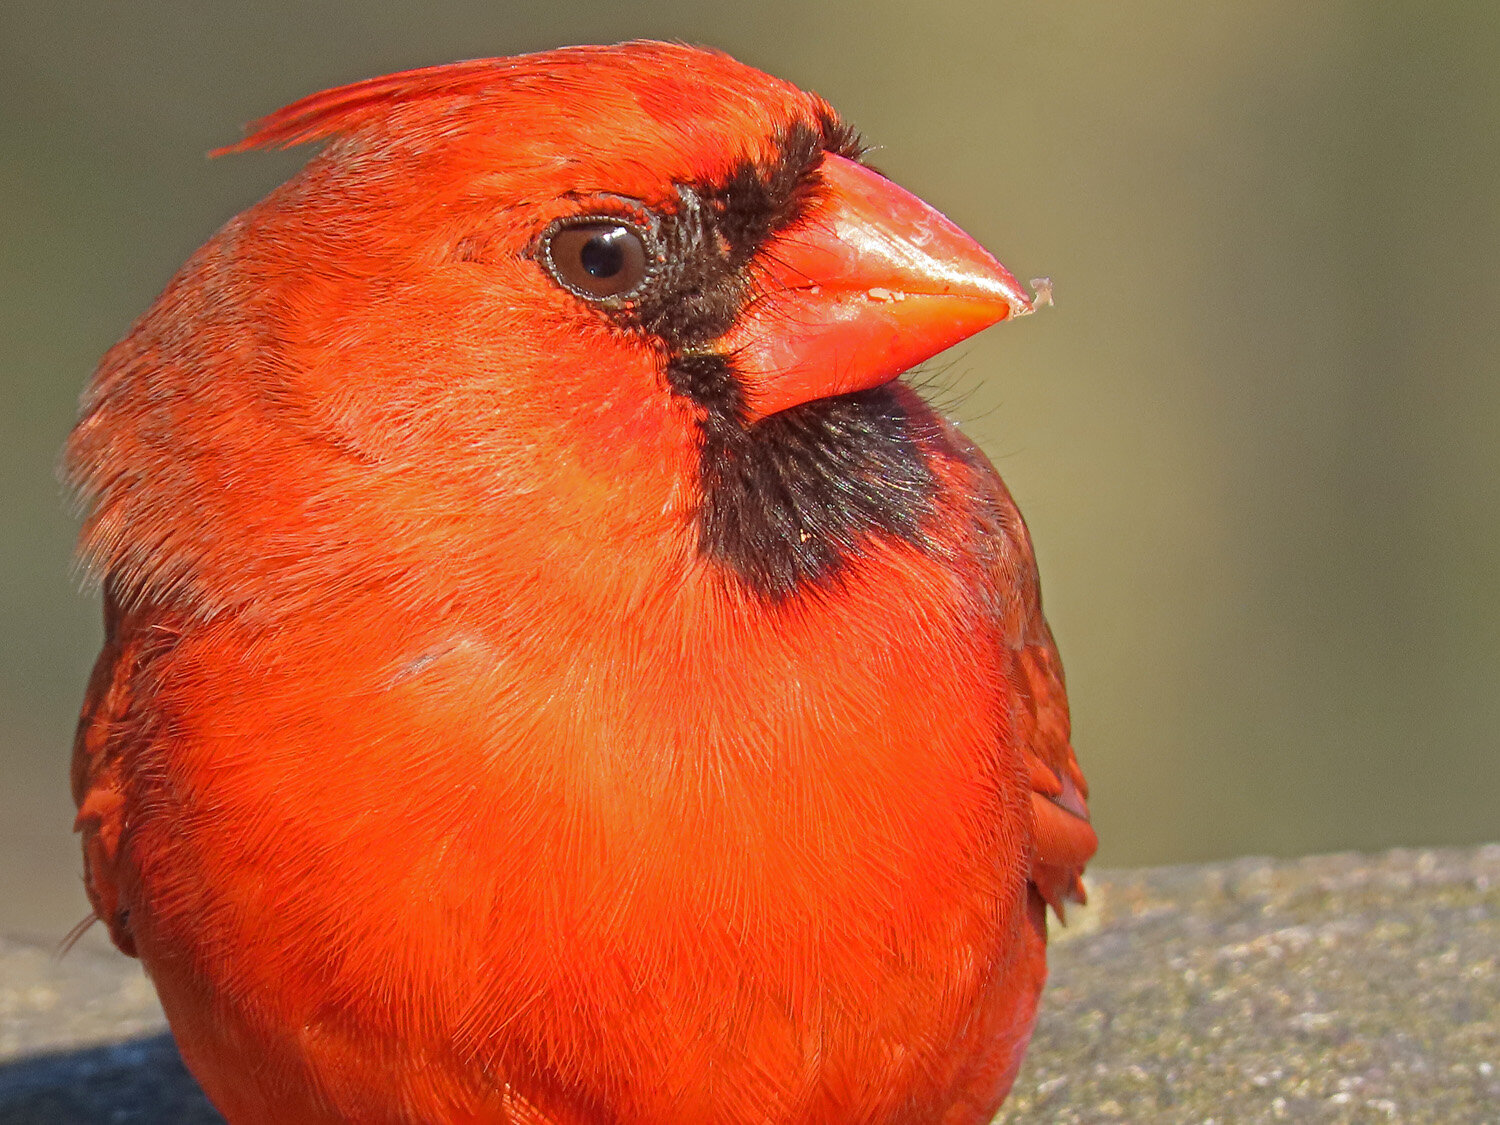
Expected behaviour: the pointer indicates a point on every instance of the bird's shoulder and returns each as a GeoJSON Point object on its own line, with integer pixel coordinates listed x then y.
{"type": "Point", "coordinates": [1041, 726]}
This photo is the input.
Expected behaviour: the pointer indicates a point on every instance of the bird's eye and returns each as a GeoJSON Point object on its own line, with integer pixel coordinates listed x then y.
{"type": "Point", "coordinates": [598, 259]}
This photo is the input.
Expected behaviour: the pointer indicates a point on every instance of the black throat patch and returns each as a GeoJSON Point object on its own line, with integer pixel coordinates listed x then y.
{"type": "Point", "coordinates": [789, 501]}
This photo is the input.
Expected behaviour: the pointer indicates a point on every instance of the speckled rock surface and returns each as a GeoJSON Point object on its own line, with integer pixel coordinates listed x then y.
{"type": "Point", "coordinates": [83, 1042]}
{"type": "Point", "coordinates": [1332, 989]}
{"type": "Point", "coordinates": [1339, 988]}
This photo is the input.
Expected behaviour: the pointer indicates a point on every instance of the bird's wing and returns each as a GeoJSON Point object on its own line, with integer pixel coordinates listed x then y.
{"type": "Point", "coordinates": [1039, 711]}
{"type": "Point", "coordinates": [109, 729]}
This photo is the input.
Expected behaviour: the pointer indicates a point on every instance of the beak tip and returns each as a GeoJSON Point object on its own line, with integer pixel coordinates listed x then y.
{"type": "Point", "coordinates": [1023, 305]}
{"type": "Point", "coordinates": [1041, 293]}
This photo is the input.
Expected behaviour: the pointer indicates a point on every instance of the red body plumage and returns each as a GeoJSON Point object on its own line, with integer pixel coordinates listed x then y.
{"type": "Point", "coordinates": [471, 742]}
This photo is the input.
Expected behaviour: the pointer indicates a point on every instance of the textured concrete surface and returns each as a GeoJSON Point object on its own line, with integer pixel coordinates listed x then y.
{"type": "Point", "coordinates": [1339, 988]}
{"type": "Point", "coordinates": [1333, 989]}
{"type": "Point", "coordinates": [82, 1042]}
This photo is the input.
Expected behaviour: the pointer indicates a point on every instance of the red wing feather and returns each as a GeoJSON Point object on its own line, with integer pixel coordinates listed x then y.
{"type": "Point", "coordinates": [1065, 839]}
{"type": "Point", "coordinates": [111, 728]}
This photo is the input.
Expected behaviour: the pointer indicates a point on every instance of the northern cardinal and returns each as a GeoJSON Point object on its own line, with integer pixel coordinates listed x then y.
{"type": "Point", "coordinates": [556, 671]}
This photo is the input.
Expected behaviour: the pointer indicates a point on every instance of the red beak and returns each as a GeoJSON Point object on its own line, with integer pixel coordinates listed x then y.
{"type": "Point", "coordinates": [874, 282]}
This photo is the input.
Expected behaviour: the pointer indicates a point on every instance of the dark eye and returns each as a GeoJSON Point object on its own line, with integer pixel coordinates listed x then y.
{"type": "Point", "coordinates": [597, 258]}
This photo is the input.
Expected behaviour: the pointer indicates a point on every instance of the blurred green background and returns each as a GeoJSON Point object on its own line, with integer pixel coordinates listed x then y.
{"type": "Point", "coordinates": [1256, 440]}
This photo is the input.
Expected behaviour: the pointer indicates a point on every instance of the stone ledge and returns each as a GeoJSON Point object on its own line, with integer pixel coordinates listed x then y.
{"type": "Point", "coordinates": [1338, 988]}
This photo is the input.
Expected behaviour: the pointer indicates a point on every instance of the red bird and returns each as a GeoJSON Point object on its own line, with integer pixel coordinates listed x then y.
{"type": "Point", "coordinates": [556, 672]}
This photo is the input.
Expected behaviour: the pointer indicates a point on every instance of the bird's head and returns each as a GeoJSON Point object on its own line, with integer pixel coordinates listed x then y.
{"type": "Point", "coordinates": [589, 289]}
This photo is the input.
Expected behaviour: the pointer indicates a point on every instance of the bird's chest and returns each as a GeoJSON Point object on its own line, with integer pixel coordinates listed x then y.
{"type": "Point", "coordinates": [801, 843]}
